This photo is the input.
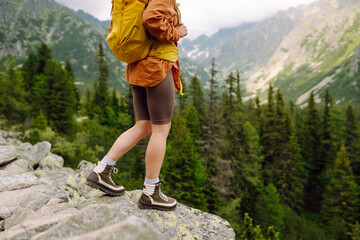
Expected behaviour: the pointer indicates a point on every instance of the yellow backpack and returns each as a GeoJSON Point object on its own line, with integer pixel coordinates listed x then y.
{"type": "Point", "coordinates": [126, 36]}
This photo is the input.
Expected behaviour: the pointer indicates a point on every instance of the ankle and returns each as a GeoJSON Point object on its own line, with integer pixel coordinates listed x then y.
{"type": "Point", "coordinates": [108, 161]}
{"type": "Point", "coordinates": [152, 181]}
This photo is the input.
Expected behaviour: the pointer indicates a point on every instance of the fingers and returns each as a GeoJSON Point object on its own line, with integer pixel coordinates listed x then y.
{"type": "Point", "coordinates": [183, 30]}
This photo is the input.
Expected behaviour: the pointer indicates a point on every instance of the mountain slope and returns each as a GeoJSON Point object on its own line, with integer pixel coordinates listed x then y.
{"type": "Point", "coordinates": [28, 23]}
{"type": "Point", "coordinates": [321, 51]}
{"type": "Point", "coordinates": [92, 20]}
{"type": "Point", "coordinates": [306, 48]}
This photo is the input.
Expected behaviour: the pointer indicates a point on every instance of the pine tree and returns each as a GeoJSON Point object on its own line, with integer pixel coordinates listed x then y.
{"type": "Point", "coordinates": [340, 198]}
{"type": "Point", "coordinates": [233, 121]}
{"type": "Point", "coordinates": [327, 150]}
{"type": "Point", "coordinates": [197, 99]}
{"type": "Point", "coordinates": [68, 68]}
{"type": "Point", "coordinates": [269, 137]}
{"type": "Point", "coordinates": [183, 166]}
{"type": "Point", "coordinates": [193, 124]}
{"type": "Point", "coordinates": [29, 70]}
{"type": "Point", "coordinates": [101, 89]}
{"type": "Point", "coordinates": [289, 170]}
{"type": "Point", "coordinates": [238, 89]}
{"type": "Point", "coordinates": [129, 104]}
{"type": "Point", "coordinates": [311, 155]}
{"type": "Point", "coordinates": [269, 209]}
{"type": "Point", "coordinates": [13, 104]}
{"type": "Point", "coordinates": [247, 168]}
{"type": "Point", "coordinates": [101, 97]}
{"type": "Point", "coordinates": [183, 99]}
{"type": "Point", "coordinates": [88, 103]}
{"type": "Point", "coordinates": [210, 143]}
{"type": "Point", "coordinates": [44, 54]}
{"type": "Point", "coordinates": [212, 129]}
{"type": "Point", "coordinates": [59, 97]}
{"type": "Point", "coordinates": [353, 142]}
{"type": "Point", "coordinates": [115, 102]}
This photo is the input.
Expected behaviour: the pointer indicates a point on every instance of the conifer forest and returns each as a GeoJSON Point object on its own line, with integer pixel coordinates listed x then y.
{"type": "Point", "coordinates": [273, 169]}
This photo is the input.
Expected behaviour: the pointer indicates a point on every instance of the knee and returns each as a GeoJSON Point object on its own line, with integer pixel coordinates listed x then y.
{"type": "Point", "coordinates": [162, 129]}
{"type": "Point", "coordinates": [144, 127]}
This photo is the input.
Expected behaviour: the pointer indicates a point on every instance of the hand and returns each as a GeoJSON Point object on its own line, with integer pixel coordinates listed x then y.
{"type": "Point", "coordinates": [183, 30]}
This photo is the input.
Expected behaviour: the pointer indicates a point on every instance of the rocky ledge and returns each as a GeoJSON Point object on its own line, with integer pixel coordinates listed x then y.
{"type": "Point", "coordinates": [41, 199]}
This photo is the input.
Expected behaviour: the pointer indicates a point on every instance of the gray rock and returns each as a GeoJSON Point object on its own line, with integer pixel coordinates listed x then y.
{"type": "Point", "coordinates": [51, 162]}
{"type": "Point", "coordinates": [24, 180]}
{"type": "Point", "coordinates": [132, 228]}
{"type": "Point", "coordinates": [32, 197]}
{"type": "Point", "coordinates": [17, 167]}
{"type": "Point", "coordinates": [182, 223]}
{"type": "Point", "coordinates": [13, 141]}
{"type": "Point", "coordinates": [33, 226]}
{"type": "Point", "coordinates": [7, 154]}
{"type": "Point", "coordinates": [53, 202]}
{"type": "Point", "coordinates": [3, 141]}
{"type": "Point", "coordinates": [24, 214]}
{"type": "Point", "coordinates": [24, 146]}
{"type": "Point", "coordinates": [36, 153]}
{"type": "Point", "coordinates": [3, 133]}
{"type": "Point", "coordinates": [91, 218]}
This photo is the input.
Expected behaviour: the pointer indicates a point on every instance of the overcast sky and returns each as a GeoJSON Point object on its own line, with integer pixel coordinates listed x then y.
{"type": "Point", "coordinates": [203, 16]}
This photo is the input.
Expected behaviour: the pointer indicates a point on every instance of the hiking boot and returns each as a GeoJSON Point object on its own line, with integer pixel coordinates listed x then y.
{"type": "Point", "coordinates": [100, 178]}
{"type": "Point", "coordinates": [152, 197]}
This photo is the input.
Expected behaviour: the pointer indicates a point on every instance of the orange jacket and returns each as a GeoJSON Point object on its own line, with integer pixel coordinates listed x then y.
{"type": "Point", "coordinates": [160, 18]}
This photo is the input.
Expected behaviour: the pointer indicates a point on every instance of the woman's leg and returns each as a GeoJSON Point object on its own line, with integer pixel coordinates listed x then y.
{"type": "Point", "coordinates": [129, 139]}
{"type": "Point", "coordinates": [160, 101]}
{"type": "Point", "coordinates": [155, 151]}
{"type": "Point", "coordinates": [140, 130]}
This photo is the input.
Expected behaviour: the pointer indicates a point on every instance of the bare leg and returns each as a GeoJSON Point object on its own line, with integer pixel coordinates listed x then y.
{"type": "Point", "coordinates": [129, 139]}
{"type": "Point", "coordinates": [156, 148]}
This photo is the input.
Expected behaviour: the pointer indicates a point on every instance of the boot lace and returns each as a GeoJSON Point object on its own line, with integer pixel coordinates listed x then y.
{"type": "Point", "coordinates": [115, 170]}
{"type": "Point", "coordinates": [163, 196]}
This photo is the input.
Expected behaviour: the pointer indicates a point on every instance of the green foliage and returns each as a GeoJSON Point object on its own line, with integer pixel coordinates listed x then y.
{"type": "Point", "coordinates": [183, 166]}
{"type": "Point", "coordinates": [44, 54]}
{"type": "Point", "coordinates": [78, 149]}
{"type": "Point", "coordinates": [297, 227]}
{"type": "Point", "coordinates": [269, 209]}
{"type": "Point", "coordinates": [311, 146]}
{"type": "Point", "coordinates": [59, 97]}
{"type": "Point", "coordinates": [12, 94]}
{"type": "Point", "coordinates": [355, 235]}
{"type": "Point", "coordinates": [340, 204]}
{"type": "Point", "coordinates": [249, 232]}
{"type": "Point", "coordinates": [353, 142]}
{"type": "Point", "coordinates": [197, 99]}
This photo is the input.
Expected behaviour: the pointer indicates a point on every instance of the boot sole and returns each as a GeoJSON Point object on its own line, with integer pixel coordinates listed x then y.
{"type": "Point", "coordinates": [145, 206]}
{"type": "Point", "coordinates": [103, 189]}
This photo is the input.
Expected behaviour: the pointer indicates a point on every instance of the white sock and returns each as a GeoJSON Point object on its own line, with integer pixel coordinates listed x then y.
{"type": "Point", "coordinates": [108, 160]}
{"type": "Point", "coordinates": [151, 181]}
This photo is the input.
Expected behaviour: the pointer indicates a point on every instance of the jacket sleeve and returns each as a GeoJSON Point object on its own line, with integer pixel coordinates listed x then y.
{"type": "Point", "coordinates": [156, 19]}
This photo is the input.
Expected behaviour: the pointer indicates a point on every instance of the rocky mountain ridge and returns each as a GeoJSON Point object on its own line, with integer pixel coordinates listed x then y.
{"type": "Point", "coordinates": [25, 24]}
{"type": "Point", "coordinates": [41, 199]}
{"type": "Point", "coordinates": [303, 49]}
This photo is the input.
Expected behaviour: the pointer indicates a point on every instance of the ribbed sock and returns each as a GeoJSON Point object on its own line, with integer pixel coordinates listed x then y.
{"type": "Point", "coordinates": [108, 160]}
{"type": "Point", "coordinates": [151, 181]}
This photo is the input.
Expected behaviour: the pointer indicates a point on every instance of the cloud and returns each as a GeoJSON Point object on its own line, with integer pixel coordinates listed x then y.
{"type": "Point", "coordinates": [203, 16]}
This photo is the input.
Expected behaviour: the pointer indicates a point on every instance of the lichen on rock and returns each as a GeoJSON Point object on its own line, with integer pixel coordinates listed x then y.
{"type": "Point", "coordinates": [41, 199]}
